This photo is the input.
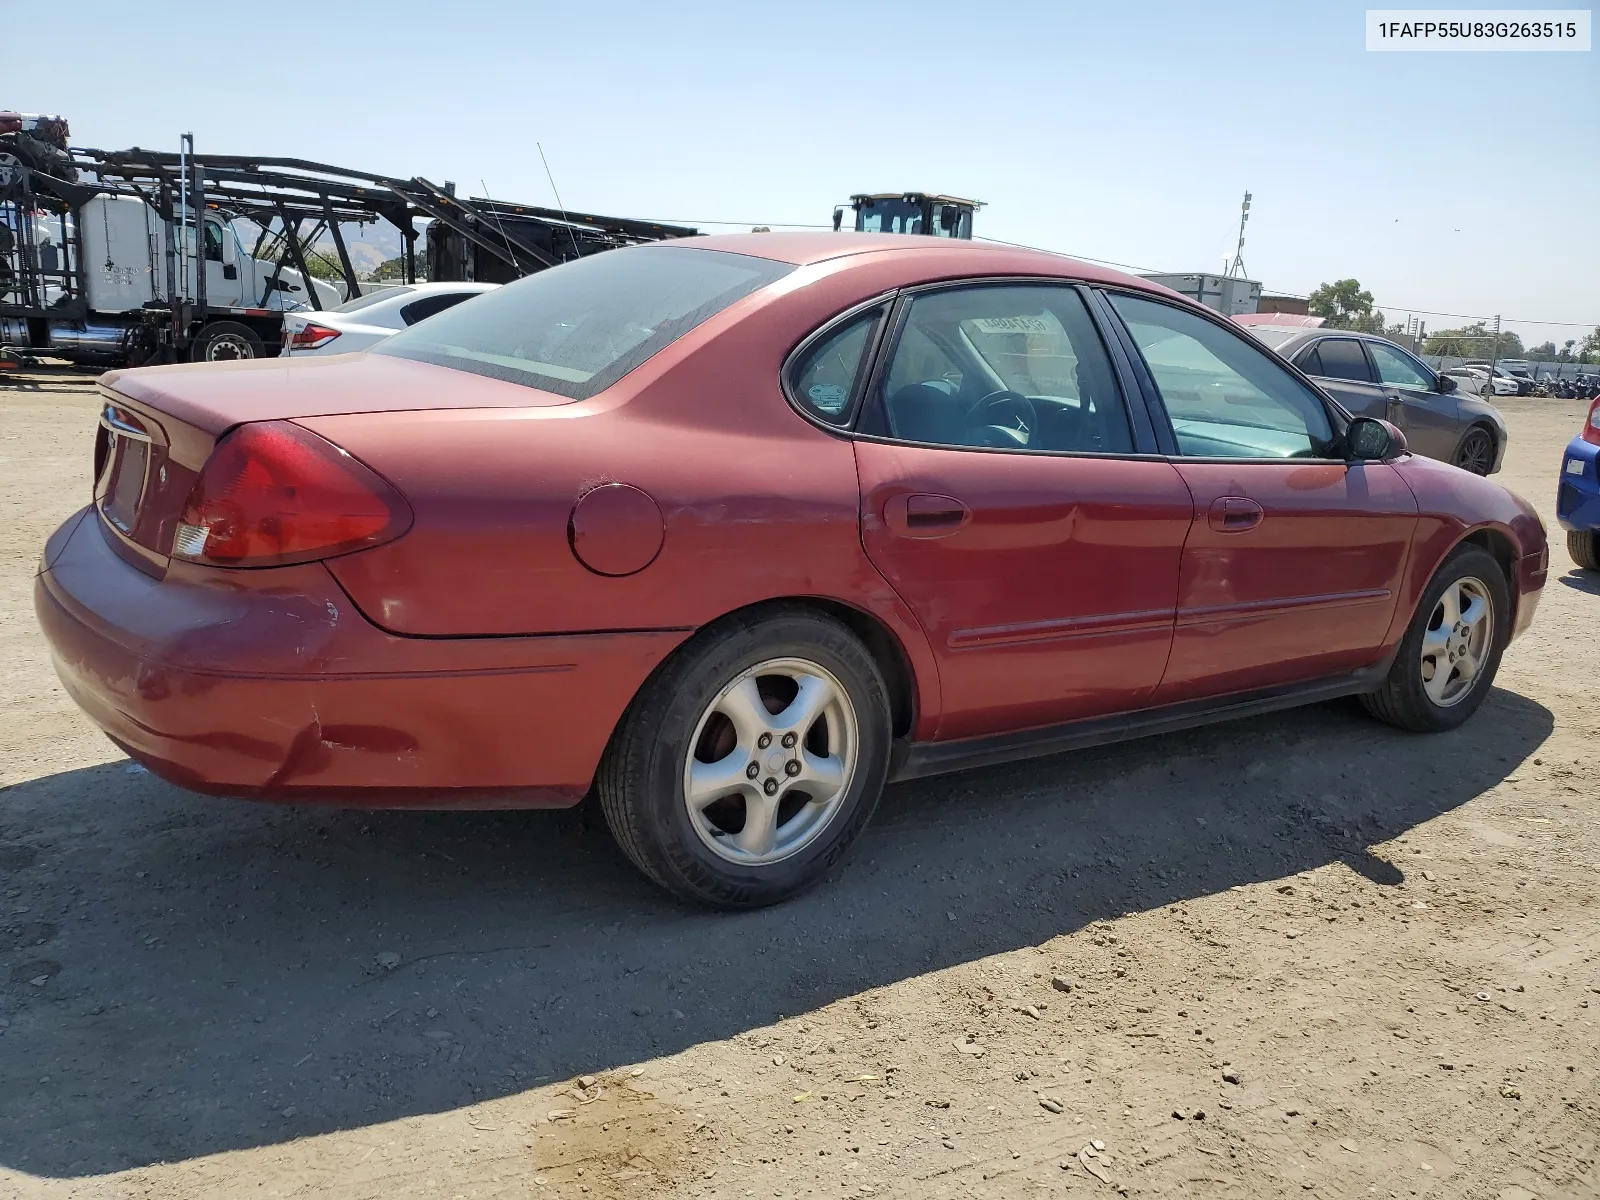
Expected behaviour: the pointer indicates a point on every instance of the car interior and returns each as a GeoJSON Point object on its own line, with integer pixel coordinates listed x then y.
{"type": "Point", "coordinates": [1004, 373]}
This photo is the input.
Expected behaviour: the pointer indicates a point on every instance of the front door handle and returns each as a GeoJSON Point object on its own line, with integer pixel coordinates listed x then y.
{"type": "Point", "coordinates": [921, 515]}
{"type": "Point", "coordinates": [1235, 514]}
{"type": "Point", "coordinates": [1395, 402]}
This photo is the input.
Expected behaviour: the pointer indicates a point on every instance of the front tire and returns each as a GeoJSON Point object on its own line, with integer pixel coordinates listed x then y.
{"type": "Point", "coordinates": [1476, 451]}
{"type": "Point", "coordinates": [747, 767]}
{"type": "Point", "coordinates": [1583, 546]}
{"type": "Point", "coordinates": [1447, 660]}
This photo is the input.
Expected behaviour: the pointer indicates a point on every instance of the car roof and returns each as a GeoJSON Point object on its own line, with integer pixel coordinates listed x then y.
{"type": "Point", "coordinates": [973, 257]}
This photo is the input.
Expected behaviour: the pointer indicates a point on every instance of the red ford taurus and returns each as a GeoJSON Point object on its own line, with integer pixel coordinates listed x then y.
{"type": "Point", "coordinates": [733, 531]}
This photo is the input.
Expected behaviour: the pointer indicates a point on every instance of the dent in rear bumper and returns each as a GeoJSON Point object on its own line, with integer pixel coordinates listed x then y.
{"type": "Point", "coordinates": [270, 684]}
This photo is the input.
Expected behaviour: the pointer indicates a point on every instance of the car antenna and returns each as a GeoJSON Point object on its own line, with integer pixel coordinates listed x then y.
{"type": "Point", "coordinates": [515, 265]}
{"type": "Point", "coordinates": [561, 208]}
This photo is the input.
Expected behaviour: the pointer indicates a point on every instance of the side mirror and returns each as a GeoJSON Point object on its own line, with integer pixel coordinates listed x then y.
{"type": "Point", "coordinates": [1447, 384]}
{"type": "Point", "coordinates": [838, 219]}
{"type": "Point", "coordinates": [1371, 440]}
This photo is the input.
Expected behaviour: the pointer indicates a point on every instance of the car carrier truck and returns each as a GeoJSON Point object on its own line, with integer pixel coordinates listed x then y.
{"type": "Point", "coordinates": [109, 275]}
{"type": "Point", "coordinates": [112, 258]}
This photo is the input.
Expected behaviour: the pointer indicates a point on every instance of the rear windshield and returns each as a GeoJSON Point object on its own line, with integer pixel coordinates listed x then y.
{"type": "Point", "coordinates": [371, 298]}
{"type": "Point", "coordinates": [578, 328]}
{"type": "Point", "coordinates": [1273, 337]}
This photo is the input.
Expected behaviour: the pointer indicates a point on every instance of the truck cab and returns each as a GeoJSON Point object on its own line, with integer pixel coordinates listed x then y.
{"type": "Point", "coordinates": [910, 212]}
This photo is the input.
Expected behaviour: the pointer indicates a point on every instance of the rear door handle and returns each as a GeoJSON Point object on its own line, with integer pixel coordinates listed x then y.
{"type": "Point", "coordinates": [922, 515]}
{"type": "Point", "coordinates": [1235, 514]}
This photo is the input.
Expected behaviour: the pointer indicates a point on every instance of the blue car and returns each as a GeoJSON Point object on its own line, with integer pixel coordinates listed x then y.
{"type": "Point", "coordinates": [1578, 501]}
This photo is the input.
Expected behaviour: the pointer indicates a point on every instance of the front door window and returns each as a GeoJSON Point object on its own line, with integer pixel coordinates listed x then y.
{"type": "Point", "coordinates": [1225, 397]}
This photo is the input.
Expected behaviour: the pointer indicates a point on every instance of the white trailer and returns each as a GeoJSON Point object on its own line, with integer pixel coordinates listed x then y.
{"type": "Point", "coordinates": [1229, 295]}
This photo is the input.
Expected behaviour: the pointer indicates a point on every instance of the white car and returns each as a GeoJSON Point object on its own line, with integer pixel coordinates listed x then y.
{"type": "Point", "coordinates": [1473, 381]}
{"type": "Point", "coordinates": [367, 320]}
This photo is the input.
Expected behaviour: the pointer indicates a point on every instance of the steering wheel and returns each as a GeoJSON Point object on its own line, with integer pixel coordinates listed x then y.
{"type": "Point", "coordinates": [1014, 404]}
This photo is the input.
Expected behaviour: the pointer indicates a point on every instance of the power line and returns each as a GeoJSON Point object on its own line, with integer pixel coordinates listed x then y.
{"type": "Point", "coordinates": [1476, 317]}
{"type": "Point", "coordinates": [1109, 262]}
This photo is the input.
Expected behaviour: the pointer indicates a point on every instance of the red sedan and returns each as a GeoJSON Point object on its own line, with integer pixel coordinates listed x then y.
{"type": "Point", "coordinates": [733, 531]}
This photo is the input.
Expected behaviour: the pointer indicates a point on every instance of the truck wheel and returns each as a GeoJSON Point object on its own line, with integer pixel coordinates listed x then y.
{"type": "Point", "coordinates": [224, 341]}
{"type": "Point", "coordinates": [1583, 545]}
{"type": "Point", "coordinates": [1448, 658]}
{"type": "Point", "coordinates": [745, 769]}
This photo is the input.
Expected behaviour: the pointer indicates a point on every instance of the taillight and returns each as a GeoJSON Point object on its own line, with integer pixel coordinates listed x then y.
{"type": "Point", "coordinates": [274, 493]}
{"type": "Point", "coordinates": [1591, 427]}
{"type": "Point", "coordinates": [309, 336]}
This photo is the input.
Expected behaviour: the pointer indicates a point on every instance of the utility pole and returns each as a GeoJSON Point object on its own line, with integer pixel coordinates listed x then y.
{"type": "Point", "coordinates": [1236, 271]}
{"type": "Point", "coordinates": [1494, 353]}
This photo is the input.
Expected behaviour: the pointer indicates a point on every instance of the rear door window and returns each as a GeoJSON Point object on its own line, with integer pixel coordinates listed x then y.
{"type": "Point", "coordinates": [1343, 358]}
{"type": "Point", "coordinates": [578, 328]}
{"type": "Point", "coordinates": [1008, 367]}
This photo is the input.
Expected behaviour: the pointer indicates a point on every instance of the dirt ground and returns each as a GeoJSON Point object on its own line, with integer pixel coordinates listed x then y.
{"type": "Point", "coordinates": [1302, 954]}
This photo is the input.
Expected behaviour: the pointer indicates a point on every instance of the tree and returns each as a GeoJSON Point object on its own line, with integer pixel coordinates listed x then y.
{"type": "Point", "coordinates": [1589, 351]}
{"type": "Point", "coordinates": [323, 267]}
{"type": "Point", "coordinates": [1344, 305]}
{"type": "Point", "coordinates": [1474, 341]}
{"type": "Point", "coordinates": [390, 268]}
{"type": "Point", "coordinates": [1543, 352]}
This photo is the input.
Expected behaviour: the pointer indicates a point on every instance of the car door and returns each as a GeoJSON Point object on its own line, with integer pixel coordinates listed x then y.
{"type": "Point", "coordinates": [1341, 367]}
{"type": "Point", "coordinates": [1015, 502]}
{"type": "Point", "coordinates": [1430, 419]}
{"type": "Point", "coordinates": [224, 288]}
{"type": "Point", "coordinates": [1294, 559]}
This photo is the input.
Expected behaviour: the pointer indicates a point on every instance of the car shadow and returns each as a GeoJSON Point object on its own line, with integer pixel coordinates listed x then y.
{"type": "Point", "coordinates": [1582, 581]}
{"type": "Point", "coordinates": [181, 976]}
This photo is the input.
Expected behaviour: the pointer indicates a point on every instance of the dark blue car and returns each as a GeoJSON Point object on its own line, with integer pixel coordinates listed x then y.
{"type": "Point", "coordinates": [1578, 501]}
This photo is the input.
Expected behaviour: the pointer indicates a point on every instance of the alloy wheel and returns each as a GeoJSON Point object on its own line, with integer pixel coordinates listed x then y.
{"type": "Point", "coordinates": [1457, 642]}
{"type": "Point", "coordinates": [770, 762]}
{"type": "Point", "coordinates": [1476, 453]}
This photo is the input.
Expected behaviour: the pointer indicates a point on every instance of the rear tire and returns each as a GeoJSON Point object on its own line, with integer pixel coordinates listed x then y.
{"type": "Point", "coordinates": [749, 764]}
{"type": "Point", "coordinates": [1428, 689]}
{"type": "Point", "coordinates": [226, 341]}
{"type": "Point", "coordinates": [1584, 547]}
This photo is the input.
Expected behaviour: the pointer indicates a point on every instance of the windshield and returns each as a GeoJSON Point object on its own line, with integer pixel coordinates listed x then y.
{"type": "Point", "coordinates": [361, 302]}
{"type": "Point", "coordinates": [889, 216]}
{"type": "Point", "coordinates": [578, 328]}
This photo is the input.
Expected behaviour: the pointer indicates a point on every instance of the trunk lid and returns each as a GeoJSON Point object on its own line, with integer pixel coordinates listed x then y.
{"type": "Point", "coordinates": [158, 425]}
{"type": "Point", "coordinates": [214, 397]}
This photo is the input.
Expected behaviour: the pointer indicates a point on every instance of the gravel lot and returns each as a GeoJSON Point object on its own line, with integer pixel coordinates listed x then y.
{"type": "Point", "coordinates": [1298, 954]}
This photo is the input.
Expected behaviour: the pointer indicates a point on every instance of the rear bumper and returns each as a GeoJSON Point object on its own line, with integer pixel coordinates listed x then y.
{"type": "Point", "coordinates": [270, 684]}
{"type": "Point", "coordinates": [1578, 492]}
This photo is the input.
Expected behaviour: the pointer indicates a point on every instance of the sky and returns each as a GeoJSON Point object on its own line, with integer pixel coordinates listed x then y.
{"type": "Point", "coordinates": [1124, 132]}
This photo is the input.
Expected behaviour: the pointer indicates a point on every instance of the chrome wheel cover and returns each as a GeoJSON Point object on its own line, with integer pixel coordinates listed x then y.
{"type": "Point", "coordinates": [770, 761]}
{"type": "Point", "coordinates": [228, 348]}
{"type": "Point", "coordinates": [1457, 642]}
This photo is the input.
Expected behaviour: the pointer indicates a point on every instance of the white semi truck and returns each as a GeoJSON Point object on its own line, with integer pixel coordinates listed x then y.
{"type": "Point", "coordinates": [110, 275]}
{"type": "Point", "coordinates": [123, 255]}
